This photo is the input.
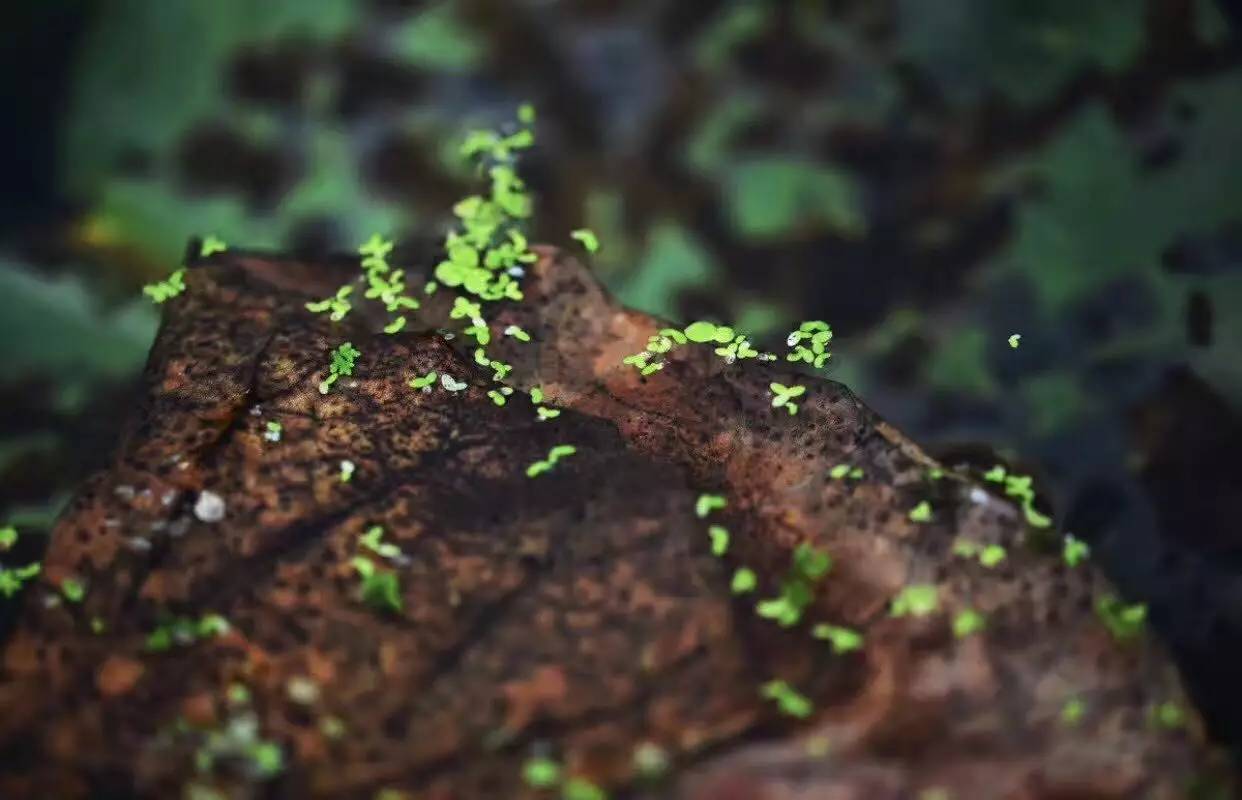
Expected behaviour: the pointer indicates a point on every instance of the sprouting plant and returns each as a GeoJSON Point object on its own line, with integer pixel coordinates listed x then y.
{"type": "Point", "coordinates": [740, 347]}
{"type": "Point", "coordinates": [211, 245]}
{"type": "Point", "coordinates": [720, 539]}
{"type": "Point", "coordinates": [183, 631]}
{"type": "Point", "coordinates": [702, 332]}
{"type": "Point", "coordinates": [347, 470]}
{"type": "Point", "coordinates": [1076, 551]}
{"type": "Point", "coordinates": [707, 503]}
{"type": "Point", "coordinates": [1168, 715]}
{"type": "Point", "coordinates": [1019, 486]}
{"type": "Point", "coordinates": [546, 414]}
{"type": "Point", "coordinates": [518, 333]}
{"type": "Point", "coordinates": [337, 305]}
{"type": "Point", "coordinates": [996, 474]}
{"type": "Point", "coordinates": [426, 382]}
{"type": "Point", "coordinates": [1123, 621]}
{"type": "Point", "coordinates": [783, 396]}
{"type": "Point", "coordinates": [380, 589]}
{"type": "Point", "coordinates": [541, 773]}
{"type": "Point", "coordinates": [499, 396]}
{"type": "Point", "coordinates": [13, 578]}
{"type": "Point", "coordinates": [588, 239]}
{"type": "Point", "coordinates": [968, 621]}
{"type": "Point", "coordinates": [744, 581]}
{"type": "Point", "coordinates": [844, 640]}
{"type": "Point", "coordinates": [935, 474]}
{"type": "Point", "coordinates": [921, 513]}
{"type": "Point", "coordinates": [988, 555]}
{"type": "Point", "coordinates": [1073, 710]}
{"type": "Point", "coordinates": [238, 741]}
{"type": "Point", "coordinates": [344, 358]}
{"type": "Point", "coordinates": [841, 471]}
{"type": "Point", "coordinates": [797, 590]}
{"type": "Point", "coordinates": [373, 540]}
{"type": "Point", "coordinates": [536, 395]}
{"type": "Point", "coordinates": [1014, 339]}
{"type": "Point", "coordinates": [73, 590]}
{"type": "Point", "coordinates": [170, 287]}
{"type": "Point", "coordinates": [554, 455]}
{"type": "Point", "coordinates": [817, 335]}
{"type": "Point", "coordinates": [452, 384]}
{"type": "Point", "coordinates": [917, 600]}
{"type": "Point", "coordinates": [273, 431]}
{"type": "Point", "coordinates": [578, 788]}
{"type": "Point", "coordinates": [395, 326]}
{"type": "Point", "coordinates": [787, 699]}
{"type": "Point", "coordinates": [8, 537]}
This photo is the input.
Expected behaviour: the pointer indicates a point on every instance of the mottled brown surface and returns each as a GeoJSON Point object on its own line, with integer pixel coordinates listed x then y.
{"type": "Point", "coordinates": [579, 614]}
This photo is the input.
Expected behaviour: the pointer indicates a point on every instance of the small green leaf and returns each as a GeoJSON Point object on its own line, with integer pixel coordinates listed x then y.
{"type": "Point", "coordinates": [967, 622]}
{"type": "Point", "coordinates": [844, 640]}
{"type": "Point", "coordinates": [588, 239]}
{"type": "Point", "coordinates": [1076, 551]}
{"type": "Point", "coordinates": [541, 773]}
{"type": "Point", "coordinates": [720, 539]}
{"type": "Point", "coordinates": [744, 581]}
{"type": "Point", "coordinates": [916, 601]}
{"type": "Point", "coordinates": [787, 699]}
{"type": "Point", "coordinates": [921, 513]}
{"type": "Point", "coordinates": [1013, 340]}
{"type": "Point", "coordinates": [212, 245]}
{"type": "Point", "coordinates": [707, 503]}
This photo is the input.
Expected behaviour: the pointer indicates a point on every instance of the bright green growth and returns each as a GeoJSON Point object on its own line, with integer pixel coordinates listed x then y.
{"type": "Point", "coordinates": [183, 631]}
{"type": "Point", "coordinates": [273, 431]}
{"type": "Point", "coordinates": [1019, 486]}
{"type": "Point", "coordinates": [844, 640]}
{"type": "Point", "coordinates": [1168, 715]}
{"type": "Point", "coordinates": [921, 513]}
{"type": "Point", "coordinates": [98, 626]}
{"type": "Point", "coordinates": [744, 581]}
{"type": "Point", "coordinates": [582, 789]}
{"type": "Point", "coordinates": [797, 590]}
{"type": "Point", "coordinates": [373, 540]}
{"type": "Point", "coordinates": [588, 239]}
{"type": "Point", "coordinates": [8, 537]}
{"type": "Point", "coordinates": [212, 245]}
{"type": "Point", "coordinates": [343, 361]}
{"type": "Point", "coordinates": [338, 305]}
{"type": "Point", "coordinates": [13, 578]}
{"type": "Point", "coordinates": [935, 473]}
{"type": "Point", "coordinates": [1073, 710]}
{"type": "Point", "coordinates": [702, 332]}
{"type": "Point", "coordinates": [784, 396]}
{"type": "Point", "coordinates": [518, 333]}
{"type": "Point", "coordinates": [787, 699]}
{"type": "Point", "coordinates": [917, 600]}
{"type": "Point", "coordinates": [395, 326]}
{"type": "Point", "coordinates": [347, 470]}
{"type": "Point", "coordinates": [536, 395]}
{"type": "Point", "coordinates": [809, 343]}
{"type": "Point", "coordinates": [426, 382]}
{"type": "Point", "coordinates": [1075, 552]}
{"type": "Point", "coordinates": [499, 396]}
{"type": "Point", "coordinates": [541, 773]}
{"type": "Point", "coordinates": [73, 590]}
{"type": "Point", "coordinates": [380, 590]}
{"type": "Point", "coordinates": [991, 555]}
{"type": "Point", "coordinates": [720, 539]}
{"type": "Point", "coordinates": [841, 471]}
{"type": "Point", "coordinates": [650, 760]}
{"type": "Point", "coordinates": [1123, 621]}
{"type": "Point", "coordinates": [996, 474]}
{"type": "Point", "coordinates": [546, 414]}
{"type": "Point", "coordinates": [1013, 340]}
{"type": "Point", "coordinates": [707, 503]}
{"type": "Point", "coordinates": [451, 384]}
{"type": "Point", "coordinates": [967, 622]}
{"type": "Point", "coordinates": [168, 288]}
{"type": "Point", "coordinates": [554, 455]}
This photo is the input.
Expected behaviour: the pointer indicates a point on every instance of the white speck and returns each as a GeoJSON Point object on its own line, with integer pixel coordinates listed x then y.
{"type": "Point", "coordinates": [793, 338]}
{"type": "Point", "coordinates": [452, 384]}
{"type": "Point", "coordinates": [516, 272]}
{"type": "Point", "coordinates": [209, 507]}
{"type": "Point", "coordinates": [302, 690]}
{"type": "Point", "coordinates": [124, 492]}
{"type": "Point", "coordinates": [138, 544]}
{"type": "Point", "coordinates": [347, 470]}
{"type": "Point", "coordinates": [168, 497]}
{"type": "Point", "coordinates": [112, 523]}
{"type": "Point", "coordinates": [256, 411]}
{"type": "Point", "coordinates": [979, 496]}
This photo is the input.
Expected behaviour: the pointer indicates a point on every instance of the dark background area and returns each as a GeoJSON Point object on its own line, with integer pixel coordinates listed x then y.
{"type": "Point", "coordinates": [928, 176]}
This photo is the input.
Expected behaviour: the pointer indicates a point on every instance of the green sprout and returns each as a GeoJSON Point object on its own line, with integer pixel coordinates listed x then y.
{"type": "Point", "coordinates": [797, 590]}
{"type": "Point", "coordinates": [787, 699]}
{"type": "Point", "coordinates": [1014, 339]}
{"type": "Point", "coordinates": [588, 239]}
{"type": "Point", "coordinates": [380, 590]}
{"type": "Point", "coordinates": [73, 590]}
{"type": "Point", "coordinates": [581, 789]}
{"type": "Point", "coordinates": [541, 773]}
{"type": "Point", "coordinates": [921, 513]}
{"type": "Point", "coordinates": [536, 395]}
{"type": "Point", "coordinates": [13, 578]}
{"type": "Point", "coordinates": [347, 470]}
{"type": "Point", "coordinates": [170, 287]}
{"type": "Point", "coordinates": [8, 537]}
{"type": "Point", "coordinates": [518, 333]}
{"type": "Point", "coordinates": [817, 334]}
{"type": "Point", "coordinates": [917, 600]}
{"type": "Point", "coordinates": [1073, 710]}
{"type": "Point", "coordinates": [343, 361]}
{"type": "Point", "coordinates": [212, 245]}
{"type": "Point", "coordinates": [395, 326]}
{"type": "Point", "coordinates": [842, 471]}
{"type": "Point", "coordinates": [784, 396]}
{"type": "Point", "coordinates": [707, 503]}
{"type": "Point", "coordinates": [452, 384]}
{"type": "Point", "coordinates": [991, 555]}
{"type": "Point", "coordinates": [744, 581]}
{"type": "Point", "coordinates": [968, 621]}
{"type": "Point", "coordinates": [554, 455]}
{"type": "Point", "coordinates": [1168, 715]}
{"type": "Point", "coordinates": [373, 540]}
{"type": "Point", "coordinates": [183, 631]}
{"type": "Point", "coordinates": [1075, 552]}
{"type": "Point", "coordinates": [546, 414]}
{"type": "Point", "coordinates": [499, 396]}
{"type": "Point", "coordinates": [996, 474]}
{"type": "Point", "coordinates": [844, 640]}
{"type": "Point", "coordinates": [1019, 486]}
{"type": "Point", "coordinates": [98, 626]}
{"type": "Point", "coordinates": [720, 539]}
{"type": "Point", "coordinates": [935, 473]}
{"type": "Point", "coordinates": [740, 347]}
{"type": "Point", "coordinates": [426, 382]}
{"type": "Point", "coordinates": [273, 431]}
{"type": "Point", "coordinates": [338, 305]}
{"type": "Point", "coordinates": [1123, 621]}
{"type": "Point", "coordinates": [702, 332]}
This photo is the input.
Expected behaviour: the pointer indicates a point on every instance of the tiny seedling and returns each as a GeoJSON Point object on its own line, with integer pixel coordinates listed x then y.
{"type": "Point", "coordinates": [581, 789]}
{"type": "Point", "coordinates": [917, 600]}
{"type": "Point", "coordinates": [720, 539]}
{"type": "Point", "coordinates": [541, 773]}
{"type": "Point", "coordinates": [1014, 339]}
{"type": "Point", "coordinates": [452, 384]}
{"type": "Point", "coordinates": [337, 306]}
{"type": "Point", "coordinates": [425, 382]}
{"type": "Point", "coordinates": [546, 414]}
{"type": "Point", "coordinates": [212, 245]}
{"type": "Point", "coordinates": [1076, 551]}
{"type": "Point", "coordinates": [517, 333]}
{"type": "Point", "coordinates": [787, 699]}
{"type": "Point", "coordinates": [588, 239]}
{"type": "Point", "coordinates": [554, 455]}
{"type": "Point", "coordinates": [500, 396]}
{"type": "Point", "coordinates": [1123, 621]}
{"type": "Point", "coordinates": [8, 537]}
{"type": "Point", "coordinates": [273, 431]}
{"type": "Point", "coordinates": [783, 396]}
{"type": "Point", "coordinates": [921, 513]}
{"type": "Point", "coordinates": [844, 640]}
{"type": "Point", "coordinates": [170, 287]}
{"type": "Point", "coordinates": [744, 581]}
{"type": "Point", "coordinates": [843, 471]}
{"type": "Point", "coordinates": [797, 590]}
{"type": "Point", "coordinates": [1168, 715]}
{"type": "Point", "coordinates": [817, 335]}
{"type": "Point", "coordinates": [707, 503]}
{"type": "Point", "coordinates": [73, 590]}
{"type": "Point", "coordinates": [373, 540]}
{"type": "Point", "coordinates": [379, 589]}
{"type": "Point", "coordinates": [347, 470]}
{"type": "Point", "coordinates": [343, 360]}
{"type": "Point", "coordinates": [968, 621]}
{"type": "Point", "coordinates": [1073, 710]}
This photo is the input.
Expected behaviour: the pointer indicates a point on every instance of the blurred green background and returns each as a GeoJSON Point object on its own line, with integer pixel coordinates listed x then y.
{"type": "Point", "coordinates": [929, 176]}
